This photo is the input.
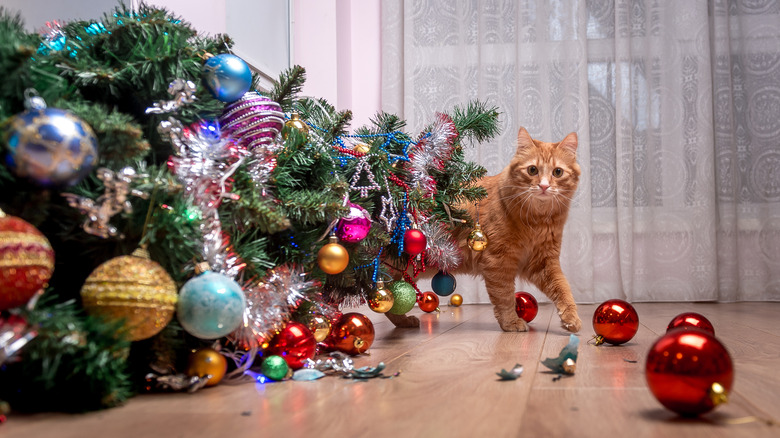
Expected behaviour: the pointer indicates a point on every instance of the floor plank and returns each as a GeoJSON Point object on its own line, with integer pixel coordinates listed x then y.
{"type": "Point", "coordinates": [448, 386]}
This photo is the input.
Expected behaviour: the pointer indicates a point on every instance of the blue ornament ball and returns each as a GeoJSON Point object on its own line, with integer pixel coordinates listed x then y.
{"type": "Point", "coordinates": [443, 283]}
{"type": "Point", "coordinates": [227, 77]}
{"type": "Point", "coordinates": [210, 306]}
{"type": "Point", "coordinates": [50, 147]}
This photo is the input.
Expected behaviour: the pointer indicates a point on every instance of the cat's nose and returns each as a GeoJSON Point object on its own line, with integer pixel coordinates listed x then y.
{"type": "Point", "coordinates": [544, 187]}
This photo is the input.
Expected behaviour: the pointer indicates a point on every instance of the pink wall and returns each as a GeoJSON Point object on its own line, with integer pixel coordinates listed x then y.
{"type": "Point", "coordinates": [338, 42]}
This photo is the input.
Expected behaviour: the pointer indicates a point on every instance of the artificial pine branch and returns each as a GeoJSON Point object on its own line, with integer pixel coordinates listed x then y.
{"type": "Point", "coordinates": [476, 121]}
{"type": "Point", "coordinates": [288, 86]}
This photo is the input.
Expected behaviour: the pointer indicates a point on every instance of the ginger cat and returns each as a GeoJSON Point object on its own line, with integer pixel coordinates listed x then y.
{"type": "Point", "coordinates": [523, 217]}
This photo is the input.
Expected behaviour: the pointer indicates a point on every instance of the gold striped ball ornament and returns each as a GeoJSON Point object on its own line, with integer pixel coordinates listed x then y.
{"type": "Point", "coordinates": [26, 261]}
{"type": "Point", "coordinates": [133, 288]}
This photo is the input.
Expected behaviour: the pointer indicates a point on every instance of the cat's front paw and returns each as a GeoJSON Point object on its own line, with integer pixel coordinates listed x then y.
{"type": "Point", "coordinates": [509, 324]}
{"type": "Point", "coordinates": [403, 321]}
{"type": "Point", "coordinates": [570, 321]}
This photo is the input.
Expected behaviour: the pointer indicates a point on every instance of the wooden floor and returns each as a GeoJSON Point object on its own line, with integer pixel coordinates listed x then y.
{"type": "Point", "coordinates": [448, 387]}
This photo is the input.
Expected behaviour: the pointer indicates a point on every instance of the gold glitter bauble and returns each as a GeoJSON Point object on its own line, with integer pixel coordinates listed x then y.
{"type": "Point", "coordinates": [333, 258]}
{"type": "Point", "coordinates": [318, 325]}
{"type": "Point", "coordinates": [295, 122]}
{"type": "Point", "coordinates": [207, 361]}
{"type": "Point", "coordinates": [478, 241]}
{"type": "Point", "coordinates": [456, 300]}
{"type": "Point", "coordinates": [133, 288]}
{"type": "Point", "coordinates": [381, 300]}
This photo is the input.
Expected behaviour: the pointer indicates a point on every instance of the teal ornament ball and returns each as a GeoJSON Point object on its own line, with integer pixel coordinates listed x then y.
{"type": "Point", "coordinates": [210, 305]}
{"type": "Point", "coordinates": [275, 367]}
{"type": "Point", "coordinates": [404, 297]}
{"type": "Point", "coordinates": [443, 283]}
{"type": "Point", "coordinates": [50, 147]}
{"type": "Point", "coordinates": [227, 77]}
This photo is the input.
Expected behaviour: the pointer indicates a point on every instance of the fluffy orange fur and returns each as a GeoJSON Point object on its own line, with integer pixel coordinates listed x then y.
{"type": "Point", "coordinates": [523, 217]}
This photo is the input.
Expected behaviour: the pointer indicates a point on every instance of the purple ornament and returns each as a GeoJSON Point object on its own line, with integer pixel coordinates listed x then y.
{"type": "Point", "coordinates": [355, 226]}
{"type": "Point", "coordinates": [253, 120]}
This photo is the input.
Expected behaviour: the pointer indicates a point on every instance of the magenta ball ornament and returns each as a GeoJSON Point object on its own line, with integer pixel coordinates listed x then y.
{"type": "Point", "coordinates": [355, 226]}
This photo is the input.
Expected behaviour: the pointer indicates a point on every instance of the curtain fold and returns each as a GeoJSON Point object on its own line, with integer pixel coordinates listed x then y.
{"type": "Point", "coordinates": [677, 108]}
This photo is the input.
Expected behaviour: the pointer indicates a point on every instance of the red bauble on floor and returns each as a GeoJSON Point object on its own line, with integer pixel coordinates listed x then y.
{"type": "Point", "coordinates": [428, 302]}
{"type": "Point", "coordinates": [615, 321]}
{"type": "Point", "coordinates": [526, 306]}
{"type": "Point", "coordinates": [295, 343]}
{"type": "Point", "coordinates": [689, 371]}
{"type": "Point", "coordinates": [690, 320]}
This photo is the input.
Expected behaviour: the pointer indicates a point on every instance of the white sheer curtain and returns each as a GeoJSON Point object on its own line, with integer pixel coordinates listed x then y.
{"type": "Point", "coordinates": [677, 108]}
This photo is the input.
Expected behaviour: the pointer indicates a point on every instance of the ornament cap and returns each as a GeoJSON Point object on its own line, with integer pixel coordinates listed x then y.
{"type": "Point", "coordinates": [142, 253]}
{"type": "Point", "coordinates": [599, 339]}
{"type": "Point", "coordinates": [717, 394]}
{"type": "Point", "coordinates": [202, 267]}
{"type": "Point", "coordinates": [569, 366]}
{"type": "Point", "coordinates": [333, 239]}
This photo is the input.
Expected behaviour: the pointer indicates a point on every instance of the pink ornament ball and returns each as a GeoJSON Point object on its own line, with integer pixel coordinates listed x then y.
{"type": "Point", "coordinates": [355, 226]}
{"type": "Point", "coordinates": [253, 120]}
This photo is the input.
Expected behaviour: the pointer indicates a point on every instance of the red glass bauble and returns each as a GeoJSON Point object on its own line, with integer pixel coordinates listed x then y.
{"type": "Point", "coordinates": [690, 320]}
{"type": "Point", "coordinates": [689, 371]}
{"type": "Point", "coordinates": [352, 334]}
{"type": "Point", "coordinates": [26, 261]}
{"type": "Point", "coordinates": [428, 302]}
{"type": "Point", "coordinates": [414, 241]}
{"type": "Point", "coordinates": [295, 343]}
{"type": "Point", "coordinates": [615, 321]}
{"type": "Point", "coordinates": [526, 306]}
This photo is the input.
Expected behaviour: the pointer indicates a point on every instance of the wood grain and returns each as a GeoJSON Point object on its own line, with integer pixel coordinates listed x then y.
{"type": "Point", "coordinates": [448, 386]}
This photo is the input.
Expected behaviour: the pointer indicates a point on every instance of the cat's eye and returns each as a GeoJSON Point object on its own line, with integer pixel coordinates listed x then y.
{"type": "Point", "coordinates": [533, 170]}
{"type": "Point", "coordinates": [558, 172]}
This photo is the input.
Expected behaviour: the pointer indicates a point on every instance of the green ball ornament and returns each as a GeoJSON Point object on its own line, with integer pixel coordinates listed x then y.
{"type": "Point", "coordinates": [404, 297]}
{"type": "Point", "coordinates": [275, 367]}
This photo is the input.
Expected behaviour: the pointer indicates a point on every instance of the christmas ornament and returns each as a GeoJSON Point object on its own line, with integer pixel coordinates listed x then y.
{"type": "Point", "coordinates": [227, 77]}
{"type": "Point", "coordinates": [352, 334]}
{"type": "Point", "coordinates": [428, 302]}
{"type": "Point", "coordinates": [114, 200]}
{"type": "Point", "coordinates": [689, 371]}
{"type": "Point", "coordinates": [362, 148]}
{"type": "Point", "coordinates": [355, 226]}
{"type": "Point", "coordinates": [318, 325]}
{"type": "Point", "coordinates": [443, 283]}
{"type": "Point", "coordinates": [49, 146]}
{"type": "Point", "coordinates": [615, 321]}
{"type": "Point", "coordinates": [275, 367]}
{"type": "Point", "coordinates": [690, 320]}
{"type": "Point", "coordinates": [477, 240]}
{"type": "Point", "coordinates": [381, 300]}
{"type": "Point", "coordinates": [296, 123]}
{"type": "Point", "coordinates": [404, 297]}
{"type": "Point", "coordinates": [363, 168]}
{"type": "Point", "coordinates": [414, 241]}
{"type": "Point", "coordinates": [207, 362]}
{"type": "Point", "coordinates": [526, 306]}
{"type": "Point", "coordinates": [133, 288]}
{"type": "Point", "coordinates": [211, 305]}
{"type": "Point", "coordinates": [389, 214]}
{"type": "Point", "coordinates": [295, 343]}
{"type": "Point", "coordinates": [333, 258]}
{"type": "Point", "coordinates": [252, 121]}
{"type": "Point", "coordinates": [26, 261]}
{"type": "Point", "coordinates": [566, 362]}
{"type": "Point", "coordinates": [456, 300]}
{"type": "Point", "coordinates": [183, 92]}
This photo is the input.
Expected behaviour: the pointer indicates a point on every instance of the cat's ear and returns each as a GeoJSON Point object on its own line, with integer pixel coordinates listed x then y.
{"type": "Point", "coordinates": [569, 143]}
{"type": "Point", "coordinates": [524, 140]}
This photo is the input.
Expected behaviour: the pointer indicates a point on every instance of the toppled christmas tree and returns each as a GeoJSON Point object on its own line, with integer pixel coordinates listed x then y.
{"type": "Point", "coordinates": [188, 162]}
